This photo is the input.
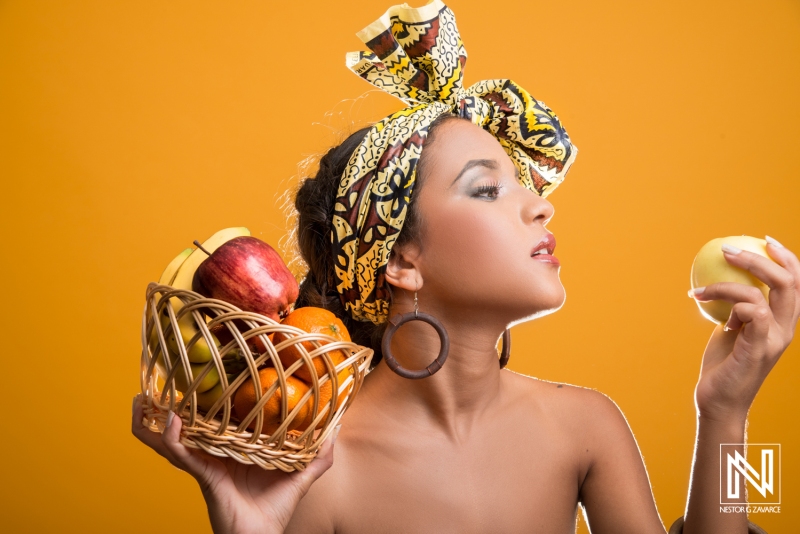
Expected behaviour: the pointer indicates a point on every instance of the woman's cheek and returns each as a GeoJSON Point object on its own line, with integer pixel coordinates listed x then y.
{"type": "Point", "coordinates": [469, 243]}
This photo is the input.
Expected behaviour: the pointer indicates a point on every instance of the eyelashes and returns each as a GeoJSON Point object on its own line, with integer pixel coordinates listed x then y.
{"type": "Point", "coordinates": [488, 191]}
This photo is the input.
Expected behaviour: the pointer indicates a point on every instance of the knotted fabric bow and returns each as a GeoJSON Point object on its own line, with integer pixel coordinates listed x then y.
{"type": "Point", "coordinates": [418, 56]}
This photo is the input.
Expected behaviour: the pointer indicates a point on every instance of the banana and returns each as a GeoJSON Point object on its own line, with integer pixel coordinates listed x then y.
{"type": "Point", "coordinates": [166, 279]}
{"type": "Point", "coordinates": [172, 269]}
{"type": "Point", "coordinates": [199, 353]}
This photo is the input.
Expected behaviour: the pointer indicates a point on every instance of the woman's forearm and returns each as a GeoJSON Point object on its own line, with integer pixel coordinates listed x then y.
{"type": "Point", "coordinates": [703, 514]}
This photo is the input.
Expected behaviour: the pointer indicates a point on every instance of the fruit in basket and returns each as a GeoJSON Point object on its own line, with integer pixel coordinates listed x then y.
{"type": "Point", "coordinates": [166, 279]}
{"type": "Point", "coordinates": [199, 352]}
{"type": "Point", "coordinates": [210, 380]}
{"type": "Point", "coordinates": [316, 320]}
{"type": "Point", "coordinates": [249, 274]}
{"type": "Point", "coordinates": [181, 278]}
{"type": "Point", "coordinates": [185, 275]}
{"type": "Point", "coordinates": [244, 400]}
{"type": "Point", "coordinates": [172, 269]}
{"type": "Point", "coordinates": [207, 399]}
{"type": "Point", "coordinates": [710, 267]}
{"type": "Point", "coordinates": [223, 334]}
{"type": "Point", "coordinates": [313, 320]}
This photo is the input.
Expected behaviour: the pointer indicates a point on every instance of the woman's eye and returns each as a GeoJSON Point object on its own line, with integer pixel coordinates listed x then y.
{"type": "Point", "coordinates": [488, 191]}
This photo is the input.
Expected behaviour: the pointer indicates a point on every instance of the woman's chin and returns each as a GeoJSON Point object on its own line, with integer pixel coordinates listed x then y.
{"type": "Point", "coordinates": [549, 298]}
{"type": "Point", "coordinates": [540, 309]}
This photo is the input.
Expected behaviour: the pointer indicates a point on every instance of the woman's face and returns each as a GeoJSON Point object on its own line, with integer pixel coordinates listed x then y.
{"type": "Point", "coordinates": [480, 226]}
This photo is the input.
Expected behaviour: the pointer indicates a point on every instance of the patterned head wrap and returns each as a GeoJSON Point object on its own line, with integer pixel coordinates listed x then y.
{"type": "Point", "coordinates": [418, 56]}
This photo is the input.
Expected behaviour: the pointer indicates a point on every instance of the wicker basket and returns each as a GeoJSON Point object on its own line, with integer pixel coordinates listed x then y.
{"type": "Point", "coordinates": [217, 430]}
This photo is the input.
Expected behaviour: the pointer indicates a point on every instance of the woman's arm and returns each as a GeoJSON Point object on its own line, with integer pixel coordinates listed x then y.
{"type": "Point", "coordinates": [704, 492]}
{"type": "Point", "coordinates": [736, 361]}
{"type": "Point", "coordinates": [616, 492]}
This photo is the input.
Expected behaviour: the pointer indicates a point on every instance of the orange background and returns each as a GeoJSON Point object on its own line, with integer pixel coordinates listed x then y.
{"type": "Point", "coordinates": [129, 129]}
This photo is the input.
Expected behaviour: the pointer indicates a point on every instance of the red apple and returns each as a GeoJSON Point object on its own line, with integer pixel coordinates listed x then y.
{"type": "Point", "coordinates": [249, 274]}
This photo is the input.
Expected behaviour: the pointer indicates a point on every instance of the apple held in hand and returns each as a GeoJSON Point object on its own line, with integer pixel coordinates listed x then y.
{"type": "Point", "coordinates": [249, 274]}
{"type": "Point", "coordinates": [710, 267]}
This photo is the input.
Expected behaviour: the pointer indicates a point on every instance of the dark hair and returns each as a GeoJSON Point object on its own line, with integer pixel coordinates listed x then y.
{"type": "Point", "coordinates": [314, 202]}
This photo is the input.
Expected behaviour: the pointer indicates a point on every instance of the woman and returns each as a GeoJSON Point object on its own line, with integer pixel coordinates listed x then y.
{"type": "Point", "coordinates": [472, 447]}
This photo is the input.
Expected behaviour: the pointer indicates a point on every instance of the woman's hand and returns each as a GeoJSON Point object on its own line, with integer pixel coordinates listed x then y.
{"type": "Point", "coordinates": [740, 355]}
{"type": "Point", "coordinates": [240, 498]}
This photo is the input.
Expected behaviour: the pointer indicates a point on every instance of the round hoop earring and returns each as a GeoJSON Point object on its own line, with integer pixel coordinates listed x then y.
{"type": "Point", "coordinates": [396, 322]}
{"type": "Point", "coordinates": [506, 353]}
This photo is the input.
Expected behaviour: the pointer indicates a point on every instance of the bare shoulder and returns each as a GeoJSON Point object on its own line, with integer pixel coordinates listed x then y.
{"type": "Point", "coordinates": [583, 411]}
{"type": "Point", "coordinates": [589, 419]}
{"type": "Point", "coordinates": [614, 486]}
{"type": "Point", "coordinates": [576, 403]}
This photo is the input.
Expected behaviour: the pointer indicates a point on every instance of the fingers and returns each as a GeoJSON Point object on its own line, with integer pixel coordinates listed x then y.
{"type": "Point", "coordinates": [167, 444]}
{"type": "Point", "coordinates": [755, 336]}
{"type": "Point", "coordinates": [790, 262]}
{"type": "Point", "coordinates": [732, 292]}
{"type": "Point", "coordinates": [784, 256]}
{"type": "Point", "coordinates": [766, 270]}
{"type": "Point", "coordinates": [780, 280]}
{"type": "Point", "coordinates": [185, 457]}
{"type": "Point", "coordinates": [144, 434]}
{"type": "Point", "coordinates": [318, 465]}
{"type": "Point", "coordinates": [745, 312]}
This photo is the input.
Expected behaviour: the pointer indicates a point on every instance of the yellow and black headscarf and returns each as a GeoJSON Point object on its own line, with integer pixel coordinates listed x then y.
{"type": "Point", "coordinates": [418, 56]}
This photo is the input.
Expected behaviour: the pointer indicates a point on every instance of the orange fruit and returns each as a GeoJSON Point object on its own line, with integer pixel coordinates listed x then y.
{"type": "Point", "coordinates": [325, 391]}
{"type": "Point", "coordinates": [244, 400]}
{"type": "Point", "coordinates": [316, 320]}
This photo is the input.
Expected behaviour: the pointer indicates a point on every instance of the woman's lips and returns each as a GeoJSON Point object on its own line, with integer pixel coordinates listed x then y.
{"type": "Point", "coordinates": [546, 258]}
{"type": "Point", "coordinates": [546, 244]}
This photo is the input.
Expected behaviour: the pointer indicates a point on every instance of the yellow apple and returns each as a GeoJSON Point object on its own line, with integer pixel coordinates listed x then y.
{"type": "Point", "coordinates": [209, 381]}
{"type": "Point", "coordinates": [200, 352]}
{"type": "Point", "coordinates": [710, 267]}
{"type": "Point", "coordinates": [207, 399]}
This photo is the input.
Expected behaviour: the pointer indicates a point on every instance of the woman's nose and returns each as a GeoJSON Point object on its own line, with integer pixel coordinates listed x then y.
{"type": "Point", "coordinates": [537, 208]}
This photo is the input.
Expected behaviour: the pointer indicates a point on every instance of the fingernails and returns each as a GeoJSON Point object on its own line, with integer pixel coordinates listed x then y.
{"type": "Point", "coordinates": [730, 249]}
{"type": "Point", "coordinates": [335, 433]}
{"type": "Point", "coordinates": [773, 242]}
{"type": "Point", "coordinates": [170, 417]}
{"type": "Point", "coordinates": [696, 291]}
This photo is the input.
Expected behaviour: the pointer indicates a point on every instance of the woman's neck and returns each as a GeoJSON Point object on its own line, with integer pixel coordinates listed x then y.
{"type": "Point", "coordinates": [463, 391]}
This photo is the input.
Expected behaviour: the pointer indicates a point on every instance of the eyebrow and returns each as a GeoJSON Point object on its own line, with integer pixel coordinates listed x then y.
{"type": "Point", "coordinates": [487, 163]}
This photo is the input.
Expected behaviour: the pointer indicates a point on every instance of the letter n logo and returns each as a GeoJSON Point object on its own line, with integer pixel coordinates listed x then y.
{"type": "Point", "coordinates": [760, 467]}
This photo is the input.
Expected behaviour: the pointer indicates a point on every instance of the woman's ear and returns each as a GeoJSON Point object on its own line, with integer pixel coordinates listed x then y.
{"type": "Point", "coordinates": [402, 268]}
